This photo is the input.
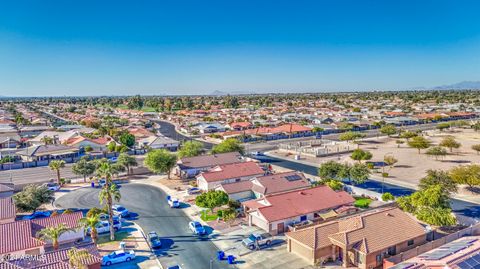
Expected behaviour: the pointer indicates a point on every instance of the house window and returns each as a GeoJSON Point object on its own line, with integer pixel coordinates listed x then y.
{"type": "Point", "coordinates": [303, 218]}
{"type": "Point", "coordinates": [410, 242]}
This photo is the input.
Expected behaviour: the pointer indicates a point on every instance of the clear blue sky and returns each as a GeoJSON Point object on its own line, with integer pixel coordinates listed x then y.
{"type": "Point", "coordinates": [191, 47]}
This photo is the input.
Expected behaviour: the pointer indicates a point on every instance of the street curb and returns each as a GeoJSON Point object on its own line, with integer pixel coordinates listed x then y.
{"type": "Point", "coordinates": [145, 237]}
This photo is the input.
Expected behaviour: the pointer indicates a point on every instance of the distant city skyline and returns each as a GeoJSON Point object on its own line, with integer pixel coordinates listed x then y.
{"type": "Point", "coordinates": [60, 48]}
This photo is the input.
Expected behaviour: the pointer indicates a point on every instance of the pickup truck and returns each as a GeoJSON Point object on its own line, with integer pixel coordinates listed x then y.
{"type": "Point", "coordinates": [255, 241]}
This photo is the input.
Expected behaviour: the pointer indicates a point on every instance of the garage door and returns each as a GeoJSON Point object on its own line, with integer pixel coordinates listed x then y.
{"type": "Point", "coordinates": [259, 222]}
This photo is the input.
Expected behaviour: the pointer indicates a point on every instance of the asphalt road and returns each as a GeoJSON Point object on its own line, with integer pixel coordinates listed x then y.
{"type": "Point", "coordinates": [152, 213]}
{"type": "Point", "coordinates": [168, 130]}
{"type": "Point", "coordinates": [465, 211]}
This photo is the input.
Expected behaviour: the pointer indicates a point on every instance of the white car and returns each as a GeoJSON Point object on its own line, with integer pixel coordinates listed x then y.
{"type": "Point", "coordinates": [104, 227]}
{"type": "Point", "coordinates": [120, 210]}
{"type": "Point", "coordinates": [118, 257]}
{"type": "Point", "coordinates": [197, 228]}
{"type": "Point", "coordinates": [104, 217]}
{"type": "Point", "coordinates": [52, 186]}
{"type": "Point", "coordinates": [173, 202]}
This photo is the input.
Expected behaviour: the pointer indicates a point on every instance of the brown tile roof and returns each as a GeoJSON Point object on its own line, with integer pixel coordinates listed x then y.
{"type": "Point", "coordinates": [17, 236]}
{"type": "Point", "coordinates": [276, 183]}
{"type": "Point", "coordinates": [369, 232]}
{"type": "Point", "coordinates": [301, 202]}
{"type": "Point", "coordinates": [237, 187]}
{"type": "Point", "coordinates": [7, 208]}
{"type": "Point", "coordinates": [210, 160]}
{"type": "Point", "coordinates": [234, 170]}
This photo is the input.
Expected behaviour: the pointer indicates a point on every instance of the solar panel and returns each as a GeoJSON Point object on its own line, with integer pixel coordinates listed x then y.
{"type": "Point", "coordinates": [293, 177]}
{"type": "Point", "coordinates": [403, 265]}
{"type": "Point", "coordinates": [470, 263]}
{"type": "Point", "coordinates": [447, 250]}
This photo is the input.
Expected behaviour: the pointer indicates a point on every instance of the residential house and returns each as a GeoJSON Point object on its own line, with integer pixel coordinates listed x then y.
{"type": "Point", "coordinates": [158, 142]}
{"type": "Point", "coordinates": [237, 126]}
{"type": "Point", "coordinates": [262, 186]}
{"type": "Point", "coordinates": [462, 253]}
{"type": "Point", "coordinates": [206, 128]}
{"type": "Point", "coordinates": [48, 152]}
{"type": "Point", "coordinates": [97, 144]}
{"type": "Point", "coordinates": [191, 166]}
{"type": "Point", "coordinates": [228, 173]}
{"type": "Point", "coordinates": [7, 210]}
{"type": "Point", "coordinates": [9, 141]}
{"type": "Point", "coordinates": [56, 136]}
{"type": "Point", "coordinates": [274, 213]}
{"type": "Point", "coordinates": [361, 240]}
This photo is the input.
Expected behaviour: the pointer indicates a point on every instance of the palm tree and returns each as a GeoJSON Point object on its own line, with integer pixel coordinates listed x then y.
{"type": "Point", "coordinates": [76, 257]}
{"type": "Point", "coordinates": [105, 170]}
{"type": "Point", "coordinates": [91, 222]}
{"type": "Point", "coordinates": [126, 161]}
{"type": "Point", "coordinates": [53, 233]}
{"type": "Point", "coordinates": [106, 196]}
{"type": "Point", "coordinates": [56, 165]}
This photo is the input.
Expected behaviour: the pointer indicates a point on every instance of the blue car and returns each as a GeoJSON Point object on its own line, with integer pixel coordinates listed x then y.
{"type": "Point", "coordinates": [197, 228]}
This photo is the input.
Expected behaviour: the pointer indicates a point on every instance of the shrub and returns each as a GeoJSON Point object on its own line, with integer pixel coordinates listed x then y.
{"type": "Point", "coordinates": [370, 165]}
{"type": "Point", "coordinates": [387, 197]}
{"type": "Point", "coordinates": [384, 174]}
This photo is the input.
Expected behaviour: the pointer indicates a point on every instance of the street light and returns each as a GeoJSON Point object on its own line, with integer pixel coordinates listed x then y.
{"type": "Point", "coordinates": [383, 168]}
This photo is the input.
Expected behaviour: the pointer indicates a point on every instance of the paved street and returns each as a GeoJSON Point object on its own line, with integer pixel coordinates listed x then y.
{"type": "Point", "coordinates": [152, 213]}
{"type": "Point", "coordinates": [168, 130]}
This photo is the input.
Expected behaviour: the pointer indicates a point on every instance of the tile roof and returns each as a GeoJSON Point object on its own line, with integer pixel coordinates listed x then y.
{"type": "Point", "coordinates": [237, 187]}
{"type": "Point", "coordinates": [70, 220]}
{"type": "Point", "coordinates": [211, 160]}
{"type": "Point", "coordinates": [7, 208]}
{"type": "Point", "coordinates": [234, 170]}
{"type": "Point", "coordinates": [17, 236]}
{"type": "Point", "coordinates": [277, 183]}
{"type": "Point", "coordinates": [368, 232]}
{"type": "Point", "coordinates": [301, 202]}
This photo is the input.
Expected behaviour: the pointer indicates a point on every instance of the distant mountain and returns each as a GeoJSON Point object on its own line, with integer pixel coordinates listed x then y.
{"type": "Point", "coordinates": [464, 85]}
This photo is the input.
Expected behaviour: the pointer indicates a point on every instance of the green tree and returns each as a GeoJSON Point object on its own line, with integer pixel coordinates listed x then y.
{"type": "Point", "coordinates": [407, 135]}
{"type": "Point", "coordinates": [466, 174]}
{"type": "Point", "coordinates": [358, 173]}
{"type": "Point", "coordinates": [388, 129]}
{"type": "Point", "coordinates": [53, 233]}
{"type": "Point", "coordinates": [443, 125]}
{"type": "Point", "coordinates": [111, 146]}
{"type": "Point", "coordinates": [317, 129]}
{"type": "Point", "coordinates": [190, 149]}
{"type": "Point", "coordinates": [450, 142]}
{"type": "Point", "coordinates": [361, 155]}
{"type": "Point", "coordinates": [84, 168]}
{"type": "Point", "coordinates": [390, 161]}
{"type": "Point", "coordinates": [127, 139]}
{"type": "Point", "coordinates": [387, 197]}
{"type": "Point", "coordinates": [436, 152]}
{"type": "Point", "coordinates": [90, 223]}
{"type": "Point", "coordinates": [438, 177]}
{"type": "Point", "coordinates": [228, 145]}
{"type": "Point", "coordinates": [126, 161]}
{"type": "Point", "coordinates": [160, 161]}
{"type": "Point", "coordinates": [419, 143]}
{"type": "Point", "coordinates": [476, 148]}
{"type": "Point", "coordinates": [335, 185]}
{"type": "Point", "coordinates": [350, 136]}
{"type": "Point", "coordinates": [57, 165]}
{"type": "Point", "coordinates": [107, 195]}
{"type": "Point", "coordinates": [32, 197]}
{"type": "Point", "coordinates": [212, 199]}
{"type": "Point", "coordinates": [88, 148]}
{"type": "Point", "coordinates": [331, 170]}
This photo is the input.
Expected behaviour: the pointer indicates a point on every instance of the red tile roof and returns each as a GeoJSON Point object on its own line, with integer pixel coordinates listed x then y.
{"type": "Point", "coordinates": [70, 220]}
{"type": "Point", "coordinates": [7, 208]}
{"type": "Point", "coordinates": [301, 202]}
{"type": "Point", "coordinates": [235, 170]}
{"type": "Point", "coordinates": [17, 236]}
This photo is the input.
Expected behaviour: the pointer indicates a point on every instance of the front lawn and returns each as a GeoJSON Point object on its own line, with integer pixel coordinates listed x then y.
{"type": "Point", "coordinates": [205, 216]}
{"type": "Point", "coordinates": [362, 202]}
{"type": "Point", "coordinates": [105, 238]}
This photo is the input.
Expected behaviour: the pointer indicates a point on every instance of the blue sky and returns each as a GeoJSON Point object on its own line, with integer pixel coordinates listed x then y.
{"type": "Point", "coordinates": [196, 47]}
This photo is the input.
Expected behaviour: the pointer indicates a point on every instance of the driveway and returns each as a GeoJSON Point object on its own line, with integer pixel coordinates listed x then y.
{"type": "Point", "coordinates": [152, 213]}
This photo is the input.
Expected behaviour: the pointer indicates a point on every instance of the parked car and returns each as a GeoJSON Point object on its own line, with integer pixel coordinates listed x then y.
{"type": "Point", "coordinates": [154, 240]}
{"type": "Point", "coordinates": [120, 210]}
{"type": "Point", "coordinates": [118, 257]}
{"type": "Point", "coordinates": [52, 186]}
{"type": "Point", "coordinates": [104, 227]}
{"type": "Point", "coordinates": [104, 217]}
{"type": "Point", "coordinates": [257, 240]}
{"type": "Point", "coordinates": [193, 190]}
{"type": "Point", "coordinates": [173, 202]}
{"type": "Point", "coordinates": [174, 267]}
{"type": "Point", "coordinates": [197, 228]}
{"type": "Point", "coordinates": [38, 215]}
